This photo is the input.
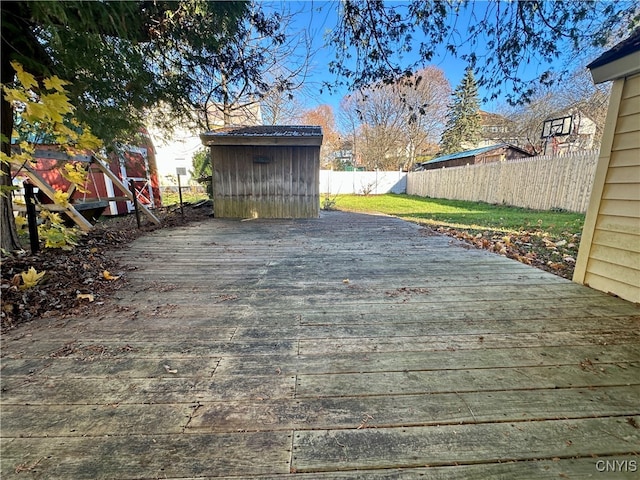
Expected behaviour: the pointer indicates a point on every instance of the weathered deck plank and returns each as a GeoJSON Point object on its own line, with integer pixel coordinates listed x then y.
{"type": "Point", "coordinates": [619, 467]}
{"type": "Point", "coordinates": [351, 346]}
{"type": "Point", "coordinates": [136, 390]}
{"type": "Point", "coordinates": [149, 456]}
{"type": "Point", "coordinates": [95, 420]}
{"type": "Point", "coordinates": [464, 380]}
{"type": "Point", "coordinates": [341, 413]}
{"type": "Point", "coordinates": [371, 448]}
{"type": "Point", "coordinates": [424, 360]}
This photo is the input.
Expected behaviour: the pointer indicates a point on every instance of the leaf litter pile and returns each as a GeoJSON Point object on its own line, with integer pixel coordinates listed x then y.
{"type": "Point", "coordinates": [63, 283]}
{"type": "Point", "coordinates": [535, 248]}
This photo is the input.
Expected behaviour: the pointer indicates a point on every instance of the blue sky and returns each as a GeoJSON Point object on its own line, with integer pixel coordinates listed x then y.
{"type": "Point", "coordinates": [316, 17]}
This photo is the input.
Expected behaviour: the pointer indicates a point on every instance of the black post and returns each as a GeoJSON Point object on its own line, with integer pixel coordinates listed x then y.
{"type": "Point", "coordinates": [32, 217]}
{"type": "Point", "coordinates": [132, 188]}
{"type": "Point", "coordinates": [180, 196]}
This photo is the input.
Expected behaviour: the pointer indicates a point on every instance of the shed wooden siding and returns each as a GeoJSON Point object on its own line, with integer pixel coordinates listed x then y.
{"type": "Point", "coordinates": [285, 187]}
{"type": "Point", "coordinates": [609, 257]}
{"type": "Point", "coordinates": [497, 154]}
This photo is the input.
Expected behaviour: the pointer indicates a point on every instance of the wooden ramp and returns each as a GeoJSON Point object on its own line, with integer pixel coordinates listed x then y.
{"type": "Point", "coordinates": [347, 347]}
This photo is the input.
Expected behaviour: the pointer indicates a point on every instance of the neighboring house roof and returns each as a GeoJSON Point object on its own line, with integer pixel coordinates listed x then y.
{"type": "Point", "coordinates": [489, 118]}
{"type": "Point", "coordinates": [473, 153]}
{"type": "Point", "coordinates": [265, 135]}
{"type": "Point", "coordinates": [620, 61]}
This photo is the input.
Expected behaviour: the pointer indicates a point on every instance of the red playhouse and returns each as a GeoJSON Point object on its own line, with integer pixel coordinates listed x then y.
{"type": "Point", "coordinates": [108, 187]}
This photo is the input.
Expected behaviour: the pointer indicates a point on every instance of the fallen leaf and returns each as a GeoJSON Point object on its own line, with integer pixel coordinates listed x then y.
{"type": "Point", "coordinates": [85, 296]}
{"type": "Point", "coordinates": [108, 276]}
{"type": "Point", "coordinates": [31, 278]}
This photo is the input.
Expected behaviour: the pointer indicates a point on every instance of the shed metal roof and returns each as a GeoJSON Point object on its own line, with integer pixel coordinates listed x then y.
{"type": "Point", "coordinates": [302, 135]}
{"type": "Point", "coordinates": [468, 153]}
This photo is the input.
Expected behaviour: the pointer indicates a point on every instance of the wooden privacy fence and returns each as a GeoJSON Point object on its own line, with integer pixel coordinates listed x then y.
{"type": "Point", "coordinates": [541, 183]}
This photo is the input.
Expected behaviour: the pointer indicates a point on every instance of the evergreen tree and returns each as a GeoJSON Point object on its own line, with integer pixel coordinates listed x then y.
{"type": "Point", "coordinates": [202, 171]}
{"type": "Point", "coordinates": [463, 117]}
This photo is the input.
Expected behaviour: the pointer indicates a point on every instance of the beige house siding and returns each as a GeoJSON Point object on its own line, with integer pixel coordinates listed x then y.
{"type": "Point", "coordinates": [609, 256]}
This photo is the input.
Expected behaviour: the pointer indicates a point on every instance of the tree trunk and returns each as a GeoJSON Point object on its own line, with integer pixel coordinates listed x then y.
{"type": "Point", "coordinates": [8, 233]}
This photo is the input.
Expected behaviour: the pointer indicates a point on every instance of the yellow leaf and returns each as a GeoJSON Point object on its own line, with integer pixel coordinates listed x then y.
{"type": "Point", "coordinates": [53, 217]}
{"type": "Point", "coordinates": [25, 78]}
{"type": "Point", "coordinates": [31, 278]}
{"type": "Point", "coordinates": [89, 141]}
{"type": "Point", "coordinates": [35, 112]}
{"type": "Point", "coordinates": [63, 131]}
{"type": "Point", "coordinates": [108, 276]}
{"type": "Point", "coordinates": [77, 174]}
{"type": "Point", "coordinates": [54, 83]}
{"type": "Point", "coordinates": [14, 95]}
{"type": "Point", "coordinates": [18, 158]}
{"type": "Point", "coordinates": [61, 198]}
{"type": "Point", "coordinates": [4, 158]}
{"type": "Point", "coordinates": [21, 221]}
{"type": "Point", "coordinates": [27, 148]}
{"type": "Point", "coordinates": [56, 106]}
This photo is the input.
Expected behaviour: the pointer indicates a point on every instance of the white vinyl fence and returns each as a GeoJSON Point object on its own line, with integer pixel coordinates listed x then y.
{"type": "Point", "coordinates": [542, 183]}
{"type": "Point", "coordinates": [362, 183]}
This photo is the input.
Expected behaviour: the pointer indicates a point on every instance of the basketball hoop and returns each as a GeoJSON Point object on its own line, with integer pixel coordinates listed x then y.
{"type": "Point", "coordinates": [557, 127]}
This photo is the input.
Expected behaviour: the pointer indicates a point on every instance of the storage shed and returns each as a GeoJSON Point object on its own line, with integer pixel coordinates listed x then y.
{"type": "Point", "coordinates": [492, 153]}
{"type": "Point", "coordinates": [609, 255]}
{"type": "Point", "coordinates": [265, 171]}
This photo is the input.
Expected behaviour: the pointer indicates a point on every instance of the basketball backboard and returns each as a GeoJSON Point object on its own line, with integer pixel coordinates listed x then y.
{"type": "Point", "coordinates": [557, 127]}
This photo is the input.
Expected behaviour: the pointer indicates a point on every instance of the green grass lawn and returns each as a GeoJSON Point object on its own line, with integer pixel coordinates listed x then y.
{"type": "Point", "coordinates": [172, 198]}
{"type": "Point", "coordinates": [464, 215]}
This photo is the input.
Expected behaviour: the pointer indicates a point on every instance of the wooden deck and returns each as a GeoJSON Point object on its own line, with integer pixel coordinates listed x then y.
{"type": "Point", "coordinates": [351, 346]}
